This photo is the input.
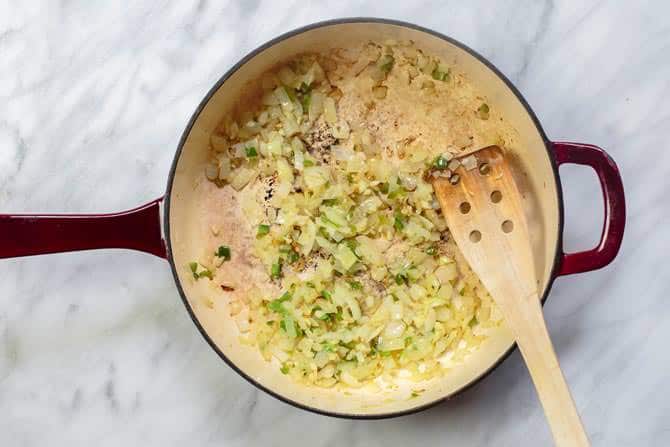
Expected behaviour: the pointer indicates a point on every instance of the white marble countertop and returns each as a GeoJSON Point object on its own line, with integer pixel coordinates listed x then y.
{"type": "Point", "coordinates": [96, 347]}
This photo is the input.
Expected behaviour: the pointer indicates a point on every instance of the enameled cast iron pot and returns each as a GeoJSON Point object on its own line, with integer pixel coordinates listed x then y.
{"type": "Point", "coordinates": [177, 239]}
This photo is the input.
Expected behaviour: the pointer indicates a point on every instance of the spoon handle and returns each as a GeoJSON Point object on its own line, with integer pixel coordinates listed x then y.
{"type": "Point", "coordinates": [537, 350]}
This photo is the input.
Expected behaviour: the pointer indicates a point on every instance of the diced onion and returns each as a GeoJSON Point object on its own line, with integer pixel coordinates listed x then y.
{"type": "Point", "coordinates": [241, 177]}
{"type": "Point", "coordinates": [224, 168]}
{"type": "Point", "coordinates": [287, 76]}
{"type": "Point", "coordinates": [469, 162]}
{"type": "Point", "coordinates": [446, 273]}
{"type": "Point", "coordinates": [394, 329]}
{"type": "Point", "coordinates": [392, 344]}
{"type": "Point", "coordinates": [379, 92]}
{"type": "Point", "coordinates": [316, 106]}
{"type": "Point", "coordinates": [330, 113]}
{"type": "Point", "coordinates": [211, 172]}
{"type": "Point", "coordinates": [219, 143]}
{"type": "Point", "coordinates": [344, 223]}
{"type": "Point", "coordinates": [315, 177]}
{"type": "Point", "coordinates": [283, 98]}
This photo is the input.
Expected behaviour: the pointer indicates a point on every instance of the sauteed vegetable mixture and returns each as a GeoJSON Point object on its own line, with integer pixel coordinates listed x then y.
{"type": "Point", "coordinates": [335, 148]}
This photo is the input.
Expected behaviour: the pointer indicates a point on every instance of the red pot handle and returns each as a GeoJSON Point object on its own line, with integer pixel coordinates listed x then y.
{"type": "Point", "coordinates": [137, 229]}
{"type": "Point", "coordinates": [615, 206]}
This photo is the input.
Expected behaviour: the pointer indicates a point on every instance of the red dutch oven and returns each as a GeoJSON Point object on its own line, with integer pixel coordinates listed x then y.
{"type": "Point", "coordinates": [166, 226]}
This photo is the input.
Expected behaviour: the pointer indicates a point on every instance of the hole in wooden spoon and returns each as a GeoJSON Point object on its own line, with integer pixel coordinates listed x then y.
{"type": "Point", "coordinates": [484, 168]}
{"type": "Point", "coordinates": [475, 236]}
{"type": "Point", "coordinates": [496, 196]}
{"type": "Point", "coordinates": [464, 207]}
{"type": "Point", "coordinates": [507, 226]}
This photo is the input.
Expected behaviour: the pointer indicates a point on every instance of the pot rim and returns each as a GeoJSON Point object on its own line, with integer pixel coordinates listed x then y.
{"type": "Point", "coordinates": [215, 88]}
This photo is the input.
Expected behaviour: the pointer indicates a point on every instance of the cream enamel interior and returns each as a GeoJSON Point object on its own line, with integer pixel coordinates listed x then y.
{"type": "Point", "coordinates": [187, 237]}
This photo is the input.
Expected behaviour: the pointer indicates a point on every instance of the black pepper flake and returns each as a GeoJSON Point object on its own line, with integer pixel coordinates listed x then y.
{"type": "Point", "coordinates": [319, 140]}
{"type": "Point", "coordinates": [270, 188]}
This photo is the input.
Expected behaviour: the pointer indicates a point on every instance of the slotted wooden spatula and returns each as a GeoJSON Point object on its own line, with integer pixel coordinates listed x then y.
{"type": "Point", "coordinates": [485, 216]}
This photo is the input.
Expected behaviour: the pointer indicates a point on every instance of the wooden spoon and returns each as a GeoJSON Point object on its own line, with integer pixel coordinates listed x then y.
{"type": "Point", "coordinates": [485, 216]}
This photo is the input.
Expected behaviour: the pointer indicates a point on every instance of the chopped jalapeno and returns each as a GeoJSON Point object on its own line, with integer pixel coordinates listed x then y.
{"type": "Point", "coordinates": [276, 305]}
{"type": "Point", "coordinates": [306, 101]}
{"type": "Point", "coordinates": [275, 270]}
{"type": "Point", "coordinates": [292, 256]}
{"type": "Point", "coordinates": [441, 163]}
{"type": "Point", "coordinates": [194, 267]}
{"type": "Point", "coordinates": [386, 63]}
{"type": "Point", "coordinates": [205, 273]}
{"type": "Point", "coordinates": [401, 278]}
{"type": "Point", "coordinates": [223, 252]}
{"type": "Point", "coordinates": [439, 75]}
{"type": "Point", "coordinates": [483, 111]}
{"type": "Point", "coordinates": [304, 88]}
{"type": "Point", "coordinates": [398, 222]}
{"type": "Point", "coordinates": [262, 230]}
{"type": "Point", "coordinates": [400, 191]}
